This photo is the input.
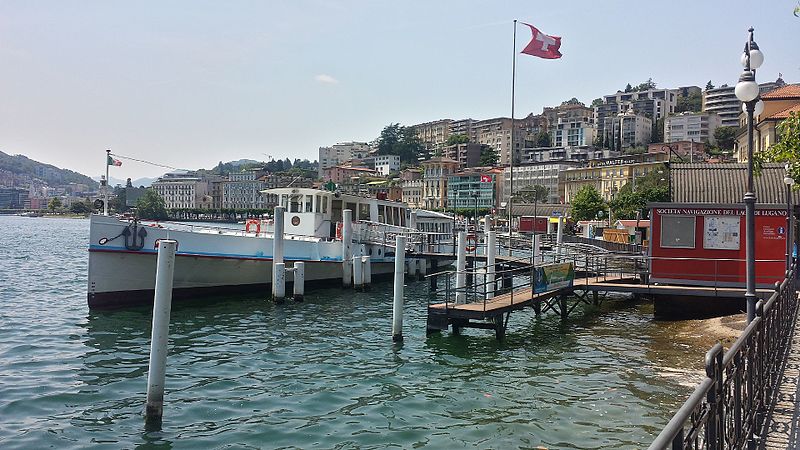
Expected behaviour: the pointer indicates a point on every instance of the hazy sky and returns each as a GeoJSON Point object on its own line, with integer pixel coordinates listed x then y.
{"type": "Point", "coordinates": [190, 83]}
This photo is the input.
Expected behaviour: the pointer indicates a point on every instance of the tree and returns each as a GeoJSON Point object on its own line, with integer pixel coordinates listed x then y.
{"type": "Point", "coordinates": [151, 206]}
{"type": "Point", "coordinates": [458, 138]}
{"type": "Point", "coordinates": [709, 86]}
{"type": "Point", "coordinates": [628, 87]}
{"type": "Point", "coordinates": [400, 141]}
{"type": "Point", "coordinates": [786, 150]}
{"type": "Point", "coordinates": [597, 102]}
{"type": "Point", "coordinates": [693, 103]}
{"type": "Point", "coordinates": [543, 139]}
{"type": "Point", "coordinates": [633, 197]}
{"type": "Point", "coordinates": [80, 208]}
{"type": "Point", "coordinates": [657, 132]}
{"type": "Point", "coordinates": [587, 203]}
{"type": "Point", "coordinates": [489, 156]}
{"type": "Point", "coordinates": [54, 204]}
{"type": "Point", "coordinates": [646, 86]}
{"type": "Point", "coordinates": [534, 194]}
{"type": "Point", "coordinates": [725, 137]}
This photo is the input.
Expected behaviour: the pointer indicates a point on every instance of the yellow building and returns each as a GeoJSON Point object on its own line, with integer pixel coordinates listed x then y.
{"type": "Point", "coordinates": [608, 176]}
{"type": "Point", "coordinates": [778, 103]}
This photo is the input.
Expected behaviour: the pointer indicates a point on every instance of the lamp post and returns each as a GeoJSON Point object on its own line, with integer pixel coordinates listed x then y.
{"type": "Point", "coordinates": [789, 181]}
{"type": "Point", "coordinates": [747, 91]}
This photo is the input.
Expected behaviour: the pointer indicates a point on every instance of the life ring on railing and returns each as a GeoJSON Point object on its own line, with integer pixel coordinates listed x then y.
{"type": "Point", "coordinates": [471, 243]}
{"type": "Point", "coordinates": [252, 222]}
{"type": "Point", "coordinates": [339, 230]}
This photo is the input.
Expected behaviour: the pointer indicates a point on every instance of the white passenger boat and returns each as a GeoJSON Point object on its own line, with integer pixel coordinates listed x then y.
{"type": "Point", "coordinates": [214, 260]}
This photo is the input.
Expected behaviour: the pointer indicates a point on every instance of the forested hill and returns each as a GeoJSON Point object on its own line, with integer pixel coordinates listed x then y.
{"type": "Point", "coordinates": [24, 167]}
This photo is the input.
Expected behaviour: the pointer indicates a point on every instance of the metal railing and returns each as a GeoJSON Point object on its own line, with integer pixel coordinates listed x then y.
{"type": "Point", "coordinates": [730, 407]}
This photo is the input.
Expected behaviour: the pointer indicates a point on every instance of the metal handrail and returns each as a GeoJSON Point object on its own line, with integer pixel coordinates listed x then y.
{"type": "Point", "coordinates": [729, 408]}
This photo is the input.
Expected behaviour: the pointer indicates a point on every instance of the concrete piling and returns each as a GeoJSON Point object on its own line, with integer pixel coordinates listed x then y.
{"type": "Point", "coordinates": [162, 305]}
{"type": "Point", "coordinates": [399, 279]}
{"type": "Point", "coordinates": [461, 263]}
{"type": "Point", "coordinates": [277, 254]}
{"type": "Point", "coordinates": [347, 247]}
{"type": "Point", "coordinates": [299, 280]}
{"type": "Point", "coordinates": [367, 272]}
{"type": "Point", "coordinates": [491, 256]}
{"type": "Point", "coordinates": [279, 282]}
{"type": "Point", "coordinates": [358, 273]}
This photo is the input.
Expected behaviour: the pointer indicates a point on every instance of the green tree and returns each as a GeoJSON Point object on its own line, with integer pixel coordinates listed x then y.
{"type": "Point", "coordinates": [786, 150]}
{"type": "Point", "coordinates": [633, 197]}
{"type": "Point", "coordinates": [725, 137]}
{"type": "Point", "coordinates": [151, 206]}
{"type": "Point", "coordinates": [692, 103]}
{"type": "Point", "coordinates": [489, 156]}
{"type": "Point", "coordinates": [597, 102]}
{"type": "Point", "coordinates": [534, 193]}
{"type": "Point", "coordinates": [709, 85]}
{"type": "Point", "coordinates": [628, 87]}
{"type": "Point", "coordinates": [587, 203]}
{"type": "Point", "coordinates": [400, 141]}
{"type": "Point", "coordinates": [646, 86]}
{"type": "Point", "coordinates": [458, 138]}
{"type": "Point", "coordinates": [80, 208]}
{"type": "Point", "coordinates": [54, 204]}
{"type": "Point", "coordinates": [657, 131]}
{"type": "Point", "coordinates": [543, 139]}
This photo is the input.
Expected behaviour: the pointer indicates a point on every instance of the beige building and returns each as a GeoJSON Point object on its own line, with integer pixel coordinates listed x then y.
{"type": "Point", "coordinates": [433, 134]}
{"type": "Point", "coordinates": [338, 154]}
{"type": "Point", "coordinates": [778, 104]}
{"type": "Point", "coordinates": [570, 124]}
{"type": "Point", "coordinates": [434, 181]}
{"type": "Point", "coordinates": [412, 193]}
{"type": "Point", "coordinates": [688, 126]}
{"type": "Point", "coordinates": [182, 191]}
{"type": "Point", "coordinates": [243, 191]}
{"type": "Point", "coordinates": [607, 176]}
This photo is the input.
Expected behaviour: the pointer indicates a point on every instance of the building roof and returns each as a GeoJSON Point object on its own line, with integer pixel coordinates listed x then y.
{"type": "Point", "coordinates": [440, 160]}
{"type": "Point", "coordinates": [780, 115]}
{"type": "Point", "coordinates": [789, 91]}
{"type": "Point", "coordinates": [726, 183]}
{"type": "Point", "coordinates": [541, 209]}
{"type": "Point", "coordinates": [633, 223]}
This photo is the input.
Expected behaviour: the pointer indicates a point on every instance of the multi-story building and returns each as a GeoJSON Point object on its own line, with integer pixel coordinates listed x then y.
{"type": "Point", "coordinates": [653, 104]}
{"type": "Point", "coordinates": [281, 180]}
{"type": "Point", "coordinates": [215, 189]}
{"type": "Point", "coordinates": [723, 102]}
{"type": "Point", "coordinates": [470, 190]}
{"type": "Point", "coordinates": [341, 174]}
{"type": "Point", "coordinates": [688, 151]}
{"type": "Point", "coordinates": [182, 191]}
{"type": "Point", "coordinates": [570, 124]}
{"type": "Point", "coordinates": [340, 153]}
{"type": "Point", "coordinates": [778, 105]}
{"type": "Point", "coordinates": [12, 198]}
{"type": "Point", "coordinates": [412, 192]}
{"type": "Point", "coordinates": [468, 155]}
{"type": "Point", "coordinates": [689, 126]}
{"type": "Point", "coordinates": [464, 127]}
{"type": "Point", "coordinates": [433, 134]}
{"type": "Point", "coordinates": [434, 176]}
{"type": "Point", "coordinates": [629, 129]}
{"type": "Point", "coordinates": [549, 175]}
{"type": "Point", "coordinates": [552, 154]}
{"type": "Point", "coordinates": [608, 176]}
{"type": "Point", "coordinates": [243, 190]}
{"type": "Point", "coordinates": [384, 164]}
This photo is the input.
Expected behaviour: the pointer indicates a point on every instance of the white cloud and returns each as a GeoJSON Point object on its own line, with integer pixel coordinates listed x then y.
{"type": "Point", "coordinates": [326, 79]}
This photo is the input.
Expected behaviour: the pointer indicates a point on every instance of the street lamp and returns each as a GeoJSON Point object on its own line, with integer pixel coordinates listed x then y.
{"type": "Point", "coordinates": [789, 181]}
{"type": "Point", "coordinates": [747, 91]}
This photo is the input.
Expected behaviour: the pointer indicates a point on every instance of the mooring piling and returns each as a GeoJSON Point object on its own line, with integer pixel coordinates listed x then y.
{"type": "Point", "coordinates": [367, 272]}
{"type": "Point", "coordinates": [278, 275]}
{"type": "Point", "coordinates": [299, 280]}
{"type": "Point", "coordinates": [399, 279]}
{"type": "Point", "coordinates": [165, 268]}
{"type": "Point", "coordinates": [461, 265]}
{"type": "Point", "coordinates": [347, 247]}
{"type": "Point", "coordinates": [358, 273]}
{"type": "Point", "coordinates": [491, 255]}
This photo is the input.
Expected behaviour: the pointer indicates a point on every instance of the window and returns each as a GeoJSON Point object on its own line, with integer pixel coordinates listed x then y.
{"type": "Point", "coordinates": [309, 203]}
{"type": "Point", "coordinates": [678, 231]}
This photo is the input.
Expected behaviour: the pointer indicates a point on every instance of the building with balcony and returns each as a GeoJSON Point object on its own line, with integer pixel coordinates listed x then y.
{"type": "Point", "coordinates": [608, 176]}
{"type": "Point", "coordinates": [689, 126]}
{"type": "Point", "coordinates": [470, 190]}
{"type": "Point", "coordinates": [531, 155]}
{"type": "Point", "coordinates": [340, 153]}
{"type": "Point", "coordinates": [723, 102]}
{"type": "Point", "coordinates": [468, 155]}
{"type": "Point", "coordinates": [412, 192]}
{"type": "Point", "coordinates": [778, 105]}
{"type": "Point", "coordinates": [384, 164]}
{"type": "Point", "coordinates": [183, 191]}
{"type": "Point", "coordinates": [629, 129]}
{"type": "Point", "coordinates": [549, 175]}
{"type": "Point", "coordinates": [243, 191]}
{"type": "Point", "coordinates": [435, 173]}
{"type": "Point", "coordinates": [433, 135]}
{"type": "Point", "coordinates": [652, 104]}
{"type": "Point", "coordinates": [570, 124]}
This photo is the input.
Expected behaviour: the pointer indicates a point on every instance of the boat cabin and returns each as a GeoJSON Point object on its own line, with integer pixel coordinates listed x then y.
{"type": "Point", "coordinates": [315, 212]}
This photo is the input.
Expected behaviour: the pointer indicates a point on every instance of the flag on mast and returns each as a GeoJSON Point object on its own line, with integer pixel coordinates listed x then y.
{"type": "Point", "coordinates": [113, 161]}
{"type": "Point", "coordinates": [542, 45]}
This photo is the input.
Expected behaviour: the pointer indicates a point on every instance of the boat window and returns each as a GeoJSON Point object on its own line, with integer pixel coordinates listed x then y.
{"type": "Point", "coordinates": [319, 204]}
{"type": "Point", "coordinates": [309, 203]}
{"type": "Point", "coordinates": [284, 200]}
{"type": "Point", "coordinates": [363, 211]}
{"type": "Point", "coordinates": [325, 204]}
{"type": "Point", "coordinates": [336, 211]}
{"type": "Point", "coordinates": [295, 204]}
{"type": "Point", "coordinates": [351, 207]}
{"type": "Point", "coordinates": [381, 213]}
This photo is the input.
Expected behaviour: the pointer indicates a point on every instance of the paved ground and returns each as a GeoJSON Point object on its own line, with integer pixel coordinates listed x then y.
{"type": "Point", "coordinates": [784, 428]}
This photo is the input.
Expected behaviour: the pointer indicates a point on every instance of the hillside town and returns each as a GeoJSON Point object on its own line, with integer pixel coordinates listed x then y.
{"type": "Point", "coordinates": [618, 150]}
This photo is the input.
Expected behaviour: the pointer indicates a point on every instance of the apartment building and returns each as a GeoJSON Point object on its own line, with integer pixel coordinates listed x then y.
{"type": "Point", "coordinates": [433, 134]}
{"type": "Point", "coordinates": [653, 104]}
{"type": "Point", "coordinates": [340, 153]}
{"type": "Point", "coordinates": [609, 175]}
{"type": "Point", "coordinates": [570, 124]}
{"type": "Point", "coordinates": [243, 191]}
{"type": "Point", "coordinates": [470, 190]}
{"type": "Point", "coordinates": [530, 155]}
{"type": "Point", "coordinates": [468, 155]}
{"type": "Point", "coordinates": [435, 172]}
{"type": "Point", "coordinates": [630, 129]}
{"type": "Point", "coordinates": [412, 192]}
{"type": "Point", "coordinates": [549, 175]}
{"type": "Point", "coordinates": [778, 105]}
{"type": "Point", "coordinates": [690, 126]}
{"type": "Point", "coordinates": [183, 191]}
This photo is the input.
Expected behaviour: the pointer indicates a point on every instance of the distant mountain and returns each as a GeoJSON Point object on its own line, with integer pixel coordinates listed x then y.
{"type": "Point", "coordinates": [24, 170]}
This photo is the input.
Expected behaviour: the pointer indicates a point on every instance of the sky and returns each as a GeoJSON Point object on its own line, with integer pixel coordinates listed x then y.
{"type": "Point", "coordinates": [190, 83]}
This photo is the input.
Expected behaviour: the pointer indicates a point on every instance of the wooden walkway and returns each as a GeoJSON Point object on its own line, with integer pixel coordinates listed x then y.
{"type": "Point", "coordinates": [784, 427]}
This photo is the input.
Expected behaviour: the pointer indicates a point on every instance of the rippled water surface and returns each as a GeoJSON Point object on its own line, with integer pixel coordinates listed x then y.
{"type": "Point", "coordinates": [244, 373]}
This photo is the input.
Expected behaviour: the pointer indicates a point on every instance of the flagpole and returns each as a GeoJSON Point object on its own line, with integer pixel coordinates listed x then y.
{"type": "Point", "coordinates": [511, 177]}
{"type": "Point", "coordinates": [105, 191]}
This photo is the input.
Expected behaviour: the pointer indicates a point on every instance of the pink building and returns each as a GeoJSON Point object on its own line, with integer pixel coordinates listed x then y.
{"type": "Point", "coordinates": [339, 174]}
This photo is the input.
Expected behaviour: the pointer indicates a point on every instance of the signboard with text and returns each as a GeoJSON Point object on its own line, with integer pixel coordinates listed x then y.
{"type": "Point", "coordinates": [553, 276]}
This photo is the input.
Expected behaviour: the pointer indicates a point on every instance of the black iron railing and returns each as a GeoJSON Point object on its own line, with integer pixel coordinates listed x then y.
{"type": "Point", "coordinates": [730, 407]}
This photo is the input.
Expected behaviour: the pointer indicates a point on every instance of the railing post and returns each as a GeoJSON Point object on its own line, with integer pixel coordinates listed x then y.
{"type": "Point", "coordinates": [714, 398]}
{"type": "Point", "coordinates": [491, 256]}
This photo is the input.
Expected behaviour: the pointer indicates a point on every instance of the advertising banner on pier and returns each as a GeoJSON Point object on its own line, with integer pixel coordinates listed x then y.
{"type": "Point", "coordinates": [553, 276]}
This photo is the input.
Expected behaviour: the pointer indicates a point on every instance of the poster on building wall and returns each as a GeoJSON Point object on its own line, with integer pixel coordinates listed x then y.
{"type": "Point", "coordinates": [721, 233]}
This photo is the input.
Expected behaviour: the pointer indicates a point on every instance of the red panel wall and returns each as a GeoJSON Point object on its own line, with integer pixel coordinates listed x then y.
{"type": "Point", "coordinates": [713, 266]}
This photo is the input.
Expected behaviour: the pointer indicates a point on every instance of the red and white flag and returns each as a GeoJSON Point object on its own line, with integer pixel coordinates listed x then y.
{"type": "Point", "coordinates": [486, 178]}
{"type": "Point", "coordinates": [542, 45]}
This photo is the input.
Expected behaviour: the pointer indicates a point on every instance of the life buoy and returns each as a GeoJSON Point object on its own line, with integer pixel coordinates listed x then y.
{"type": "Point", "coordinates": [252, 222]}
{"type": "Point", "coordinates": [471, 244]}
{"type": "Point", "coordinates": [339, 230]}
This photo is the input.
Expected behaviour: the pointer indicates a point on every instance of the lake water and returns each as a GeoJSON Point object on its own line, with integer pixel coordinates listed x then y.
{"type": "Point", "coordinates": [245, 373]}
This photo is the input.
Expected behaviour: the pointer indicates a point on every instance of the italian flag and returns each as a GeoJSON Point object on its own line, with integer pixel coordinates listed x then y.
{"type": "Point", "coordinates": [113, 161]}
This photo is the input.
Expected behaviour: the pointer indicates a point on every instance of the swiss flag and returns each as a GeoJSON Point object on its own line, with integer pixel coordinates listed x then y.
{"type": "Point", "coordinates": [542, 45]}
{"type": "Point", "coordinates": [486, 178]}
